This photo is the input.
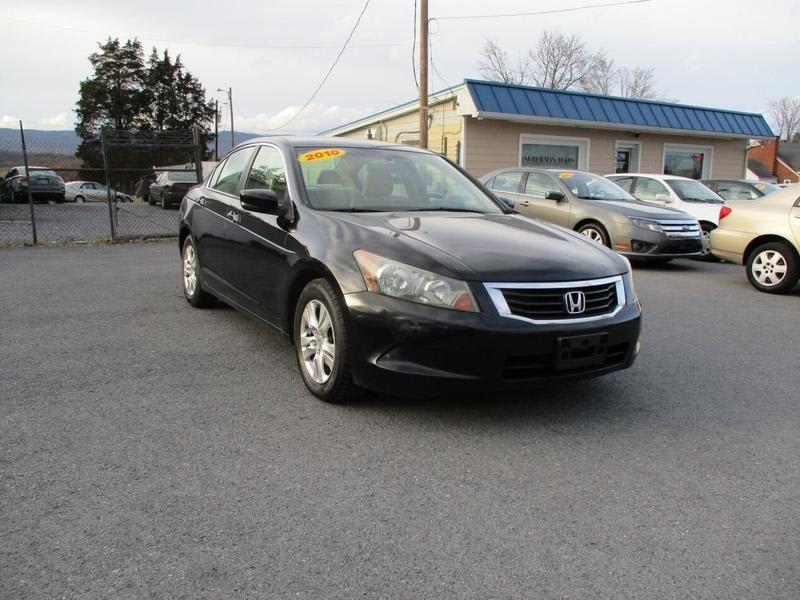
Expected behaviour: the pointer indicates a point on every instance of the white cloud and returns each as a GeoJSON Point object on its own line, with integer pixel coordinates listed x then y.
{"type": "Point", "coordinates": [317, 117]}
{"type": "Point", "coordinates": [9, 121]}
{"type": "Point", "coordinates": [60, 121]}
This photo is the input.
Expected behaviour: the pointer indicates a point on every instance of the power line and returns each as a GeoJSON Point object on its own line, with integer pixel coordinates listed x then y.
{"type": "Point", "coordinates": [206, 44]}
{"type": "Point", "coordinates": [430, 57]}
{"type": "Point", "coordinates": [542, 12]}
{"type": "Point", "coordinates": [328, 74]}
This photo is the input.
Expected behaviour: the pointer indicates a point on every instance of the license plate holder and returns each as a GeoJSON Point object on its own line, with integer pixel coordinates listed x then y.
{"type": "Point", "coordinates": [580, 351]}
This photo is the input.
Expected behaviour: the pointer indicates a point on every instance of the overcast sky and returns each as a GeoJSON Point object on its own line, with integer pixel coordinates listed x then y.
{"type": "Point", "coordinates": [735, 54]}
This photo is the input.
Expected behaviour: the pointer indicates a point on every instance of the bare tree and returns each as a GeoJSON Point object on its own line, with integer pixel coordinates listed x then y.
{"type": "Point", "coordinates": [496, 66]}
{"type": "Point", "coordinates": [638, 82]}
{"type": "Point", "coordinates": [559, 61]}
{"type": "Point", "coordinates": [601, 77]}
{"type": "Point", "coordinates": [785, 113]}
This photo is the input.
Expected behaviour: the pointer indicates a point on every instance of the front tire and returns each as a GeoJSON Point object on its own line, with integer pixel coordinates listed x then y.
{"type": "Point", "coordinates": [773, 268]}
{"type": "Point", "coordinates": [596, 233]}
{"type": "Point", "coordinates": [192, 287]}
{"type": "Point", "coordinates": [79, 199]}
{"type": "Point", "coordinates": [705, 238]}
{"type": "Point", "coordinates": [322, 343]}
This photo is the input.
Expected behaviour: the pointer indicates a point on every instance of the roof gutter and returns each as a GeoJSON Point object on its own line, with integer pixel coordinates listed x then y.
{"type": "Point", "coordinates": [533, 120]}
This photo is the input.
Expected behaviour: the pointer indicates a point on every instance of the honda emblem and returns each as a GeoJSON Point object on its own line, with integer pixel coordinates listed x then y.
{"type": "Point", "coordinates": [575, 302]}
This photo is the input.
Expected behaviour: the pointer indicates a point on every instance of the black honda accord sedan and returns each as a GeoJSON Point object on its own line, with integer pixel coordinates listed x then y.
{"type": "Point", "coordinates": [393, 270]}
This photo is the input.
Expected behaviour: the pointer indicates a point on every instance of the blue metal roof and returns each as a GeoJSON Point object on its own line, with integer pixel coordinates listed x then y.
{"type": "Point", "coordinates": [502, 98]}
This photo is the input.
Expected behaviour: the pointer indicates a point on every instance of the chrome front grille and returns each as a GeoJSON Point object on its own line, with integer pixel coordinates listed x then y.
{"type": "Point", "coordinates": [680, 228]}
{"type": "Point", "coordinates": [548, 303]}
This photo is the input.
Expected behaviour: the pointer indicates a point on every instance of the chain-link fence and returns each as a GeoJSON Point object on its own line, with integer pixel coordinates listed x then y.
{"type": "Point", "coordinates": [59, 187]}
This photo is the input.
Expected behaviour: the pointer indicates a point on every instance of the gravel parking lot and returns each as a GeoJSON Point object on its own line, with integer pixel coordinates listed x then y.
{"type": "Point", "coordinates": [151, 450]}
{"type": "Point", "coordinates": [86, 222]}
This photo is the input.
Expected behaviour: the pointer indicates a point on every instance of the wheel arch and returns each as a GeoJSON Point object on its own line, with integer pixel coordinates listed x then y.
{"type": "Point", "coordinates": [183, 233]}
{"type": "Point", "coordinates": [302, 275]}
{"type": "Point", "coordinates": [767, 239]}
{"type": "Point", "coordinates": [594, 221]}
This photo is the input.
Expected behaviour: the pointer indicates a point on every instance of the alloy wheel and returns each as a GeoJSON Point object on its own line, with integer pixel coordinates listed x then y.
{"type": "Point", "coordinates": [189, 270]}
{"type": "Point", "coordinates": [593, 234]}
{"type": "Point", "coordinates": [317, 342]}
{"type": "Point", "coordinates": [769, 268]}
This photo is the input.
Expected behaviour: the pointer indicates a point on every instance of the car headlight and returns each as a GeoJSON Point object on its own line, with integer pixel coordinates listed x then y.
{"type": "Point", "coordinates": [627, 283]}
{"type": "Point", "coordinates": [646, 224]}
{"type": "Point", "coordinates": [392, 278]}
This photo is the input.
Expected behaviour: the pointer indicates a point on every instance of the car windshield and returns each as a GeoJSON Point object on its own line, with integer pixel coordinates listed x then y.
{"type": "Point", "coordinates": [592, 187]}
{"type": "Point", "coordinates": [690, 190]}
{"type": "Point", "coordinates": [182, 176]}
{"type": "Point", "coordinates": [42, 172]}
{"type": "Point", "coordinates": [387, 179]}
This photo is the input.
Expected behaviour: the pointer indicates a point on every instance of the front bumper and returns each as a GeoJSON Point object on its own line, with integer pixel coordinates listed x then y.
{"type": "Point", "coordinates": [407, 349]}
{"type": "Point", "coordinates": [643, 244]}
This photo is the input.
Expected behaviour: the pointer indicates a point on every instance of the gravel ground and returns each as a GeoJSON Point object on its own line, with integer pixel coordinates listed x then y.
{"type": "Point", "coordinates": [148, 449]}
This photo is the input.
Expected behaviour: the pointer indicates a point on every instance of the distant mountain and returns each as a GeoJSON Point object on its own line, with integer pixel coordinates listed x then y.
{"type": "Point", "coordinates": [40, 141]}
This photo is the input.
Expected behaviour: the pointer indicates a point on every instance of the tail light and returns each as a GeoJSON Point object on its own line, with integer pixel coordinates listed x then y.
{"type": "Point", "coordinates": [60, 180]}
{"type": "Point", "coordinates": [724, 212]}
{"type": "Point", "coordinates": [23, 181]}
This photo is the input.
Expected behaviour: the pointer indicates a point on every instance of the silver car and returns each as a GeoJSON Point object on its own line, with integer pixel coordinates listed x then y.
{"type": "Point", "coordinates": [600, 210]}
{"type": "Point", "coordinates": [90, 191]}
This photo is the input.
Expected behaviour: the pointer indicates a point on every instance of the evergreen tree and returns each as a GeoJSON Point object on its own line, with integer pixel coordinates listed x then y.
{"type": "Point", "coordinates": [125, 92]}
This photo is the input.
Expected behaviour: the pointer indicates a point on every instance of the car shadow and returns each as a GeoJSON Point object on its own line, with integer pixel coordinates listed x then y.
{"type": "Point", "coordinates": [556, 406]}
{"type": "Point", "coordinates": [675, 266]}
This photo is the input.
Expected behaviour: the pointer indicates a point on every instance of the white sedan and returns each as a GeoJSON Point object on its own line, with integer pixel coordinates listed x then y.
{"type": "Point", "coordinates": [89, 191]}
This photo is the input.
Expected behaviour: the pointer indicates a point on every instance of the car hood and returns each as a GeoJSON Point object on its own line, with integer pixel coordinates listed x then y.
{"type": "Point", "coordinates": [642, 210]}
{"type": "Point", "coordinates": [486, 247]}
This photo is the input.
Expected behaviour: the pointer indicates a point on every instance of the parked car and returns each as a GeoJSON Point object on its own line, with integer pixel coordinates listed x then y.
{"type": "Point", "coordinates": [740, 189]}
{"type": "Point", "coordinates": [393, 270]}
{"type": "Point", "coordinates": [688, 195]}
{"type": "Point", "coordinates": [600, 210]}
{"type": "Point", "coordinates": [45, 185]}
{"type": "Point", "coordinates": [170, 187]}
{"type": "Point", "coordinates": [764, 236]}
{"type": "Point", "coordinates": [90, 191]}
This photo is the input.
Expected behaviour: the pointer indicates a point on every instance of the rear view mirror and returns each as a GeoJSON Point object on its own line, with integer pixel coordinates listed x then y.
{"type": "Point", "coordinates": [257, 200]}
{"type": "Point", "coordinates": [557, 196]}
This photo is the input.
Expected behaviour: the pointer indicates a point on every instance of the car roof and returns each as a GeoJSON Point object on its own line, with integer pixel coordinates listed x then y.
{"type": "Point", "coordinates": [323, 141]}
{"type": "Point", "coordinates": [653, 175]}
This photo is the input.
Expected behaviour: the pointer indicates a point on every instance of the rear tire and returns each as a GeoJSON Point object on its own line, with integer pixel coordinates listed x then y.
{"type": "Point", "coordinates": [192, 285]}
{"type": "Point", "coordinates": [322, 344]}
{"type": "Point", "coordinates": [773, 268]}
{"type": "Point", "coordinates": [79, 199]}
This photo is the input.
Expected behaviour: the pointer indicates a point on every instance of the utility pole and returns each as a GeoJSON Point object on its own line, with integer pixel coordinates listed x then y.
{"type": "Point", "coordinates": [216, 129]}
{"type": "Point", "coordinates": [423, 74]}
{"type": "Point", "coordinates": [230, 106]}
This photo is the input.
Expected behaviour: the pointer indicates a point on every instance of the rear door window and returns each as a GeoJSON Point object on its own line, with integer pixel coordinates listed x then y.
{"type": "Point", "coordinates": [508, 182]}
{"type": "Point", "coordinates": [231, 172]}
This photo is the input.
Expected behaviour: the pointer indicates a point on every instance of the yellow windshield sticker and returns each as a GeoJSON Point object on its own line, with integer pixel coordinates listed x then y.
{"type": "Point", "coordinates": [565, 175]}
{"type": "Point", "coordinates": [321, 154]}
{"type": "Point", "coordinates": [760, 186]}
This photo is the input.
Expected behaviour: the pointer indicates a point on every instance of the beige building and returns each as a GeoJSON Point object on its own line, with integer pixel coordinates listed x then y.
{"type": "Point", "coordinates": [485, 126]}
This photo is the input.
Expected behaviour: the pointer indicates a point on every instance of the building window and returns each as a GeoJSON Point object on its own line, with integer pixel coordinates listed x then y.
{"type": "Point", "coordinates": [688, 161]}
{"type": "Point", "coordinates": [627, 155]}
{"type": "Point", "coordinates": [553, 152]}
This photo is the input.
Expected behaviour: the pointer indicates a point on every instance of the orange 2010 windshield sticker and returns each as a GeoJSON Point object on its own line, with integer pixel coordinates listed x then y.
{"type": "Point", "coordinates": [565, 175]}
{"type": "Point", "coordinates": [321, 154]}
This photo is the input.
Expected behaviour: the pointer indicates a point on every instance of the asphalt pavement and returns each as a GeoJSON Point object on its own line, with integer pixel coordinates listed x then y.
{"type": "Point", "coordinates": [148, 449]}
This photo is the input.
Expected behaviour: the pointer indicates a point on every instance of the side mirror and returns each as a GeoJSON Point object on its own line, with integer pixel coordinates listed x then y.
{"type": "Point", "coordinates": [507, 201]}
{"type": "Point", "coordinates": [557, 196]}
{"type": "Point", "coordinates": [663, 198]}
{"type": "Point", "coordinates": [264, 201]}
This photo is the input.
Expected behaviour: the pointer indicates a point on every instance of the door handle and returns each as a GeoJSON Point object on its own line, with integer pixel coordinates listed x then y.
{"type": "Point", "coordinates": [525, 203]}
